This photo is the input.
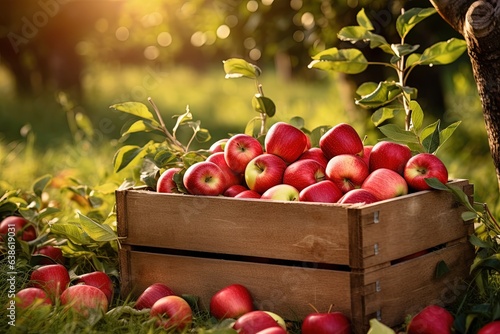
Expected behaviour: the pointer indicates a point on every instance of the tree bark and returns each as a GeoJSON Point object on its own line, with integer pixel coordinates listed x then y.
{"type": "Point", "coordinates": [479, 23]}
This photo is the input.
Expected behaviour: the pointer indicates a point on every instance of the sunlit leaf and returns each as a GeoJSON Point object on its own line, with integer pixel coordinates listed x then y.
{"type": "Point", "coordinates": [363, 20]}
{"type": "Point", "coordinates": [417, 116]}
{"type": "Point", "coordinates": [403, 49]}
{"type": "Point", "coordinates": [238, 68]}
{"type": "Point", "coordinates": [443, 53]}
{"type": "Point", "coordinates": [83, 122]}
{"type": "Point", "coordinates": [410, 18]}
{"type": "Point", "coordinates": [446, 133]}
{"type": "Point", "coordinates": [253, 124]}
{"type": "Point", "coordinates": [355, 34]}
{"type": "Point", "coordinates": [40, 184]}
{"type": "Point", "coordinates": [203, 135]}
{"type": "Point", "coordinates": [163, 157]}
{"type": "Point", "coordinates": [72, 232]}
{"type": "Point", "coordinates": [96, 231]}
{"type": "Point", "coordinates": [385, 92]}
{"type": "Point", "coordinates": [412, 59]}
{"type": "Point", "coordinates": [383, 114]}
{"type": "Point", "coordinates": [491, 262]}
{"type": "Point", "coordinates": [143, 126]}
{"type": "Point", "coordinates": [134, 108]}
{"type": "Point", "coordinates": [316, 134]}
{"type": "Point", "coordinates": [349, 61]}
{"type": "Point", "coordinates": [376, 327]}
{"type": "Point", "coordinates": [263, 105]}
{"type": "Point", "coordinates": [366, 88]}
{"type": "Point", "coordinates": [474, 240]}
{"type": "Point", "coordinates": [46, 212]}
{"type": "Point", "coordinates": [181, 119]}
{"type": "Point", "coordinates": [395, 133]}
{"type": "Point", "coordinates": [431, 142]}
{"type": "Point", "coordinates": [436, 184]}
{"type": "Point", "coordinates": [125, 155]}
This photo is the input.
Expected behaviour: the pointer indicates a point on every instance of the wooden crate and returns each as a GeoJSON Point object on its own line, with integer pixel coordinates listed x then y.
{"type": "Point", "coordinates": [292, 254]}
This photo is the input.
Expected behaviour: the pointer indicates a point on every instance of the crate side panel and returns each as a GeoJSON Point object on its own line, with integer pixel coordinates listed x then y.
{"type": "Point", "coordinates": [281, 230]}
{"type": "Point", "coordinates": [416, 222]}
{"type": "Point", "coordinates": [285, 290]}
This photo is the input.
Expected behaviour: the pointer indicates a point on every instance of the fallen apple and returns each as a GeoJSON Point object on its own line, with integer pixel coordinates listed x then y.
{"type": "Point", "coordinates": [326, 323]}
{"type": "Point", "coordinates": [17, 226]}
{"type": "Point", "coordinates": [84, 300]}
{"type": "Point", "coordinates": [254, 321]}
{"type": "Point", "coordinates": [53, 278]}
{"type": "Point", "coordinates": [100, 280]}
{"type": "Point", "coordinates": [231, 301]}
{"type": "Point", "coordinates": [32, 297]}
{"type": "Point", "coordinates": [151, 294]}
{"type": "Point", "coordinates": [50, 254]}
{"type": "Point", "coordinates": [172, 312]}
{"type": "Point", "coordinates": [491, 328]}
{"type": "Point", "coordinates": [433, 319]}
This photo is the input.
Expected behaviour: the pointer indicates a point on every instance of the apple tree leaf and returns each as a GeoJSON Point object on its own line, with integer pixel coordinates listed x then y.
{"type": "Point", "coordinates": [431, 142]}
{"type": "Point", "coordinates": [441, 269]}
{"type": "Point", "coordinates": [385, 92]}
{"type": "Point", "coordinates": [134, 108]}
{"type": "Point", "coordinates": [446, 133]}
{"type": "Point", "coordinates": [263, 105]}
{"type": "Point", "coordinates": [141, 125]}
{"type": "Point", "coordinates": [395, 133]}
{"type": "Point", "coordinates": [376, 327]}
{"type": "Point", "coordinates": [240, 68]}
{"type": "Point", "coordinates": [349, 61]}
{"type": "Point", "coordinates": [366, 88]}
{"type": "Point", "coordinates": [96, 231]}
{"type": "Point", "coordinates": [385, 113]}
{"type": "Point", "coordinates": [417, 116]}
{"type": "Point", "coordinates": [410, 18]}
{"type": "Point", "coordinates": [443, 53]}
{"type": "Point", "coordinates": [363, 20]}
{"type": "Point", "coordinates": [125, 155]}
{"type": "Point", "coordinates": [40, 184]}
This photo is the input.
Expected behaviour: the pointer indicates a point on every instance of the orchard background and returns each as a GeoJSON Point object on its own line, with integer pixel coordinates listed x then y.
{"type": "Point", "coordinates": [63, 63]}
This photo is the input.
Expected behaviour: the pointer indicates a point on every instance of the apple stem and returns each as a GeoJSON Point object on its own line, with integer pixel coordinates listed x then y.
{"type": "Point", "coordinates": [313, 307]}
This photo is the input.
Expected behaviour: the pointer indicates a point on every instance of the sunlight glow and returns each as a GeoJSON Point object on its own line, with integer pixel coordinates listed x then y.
{"type": "Point", "coordinates": [122, 34]}
{"type": "Point", "coordinates": [223, 31]}
{"type": "Point", "coordinates": [164, 39]}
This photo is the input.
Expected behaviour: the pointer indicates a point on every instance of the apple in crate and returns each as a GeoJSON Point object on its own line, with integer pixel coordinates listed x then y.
{"type": "Point", "coordinates": [315, 153]}
{"type": "Point", "coordinates": [232, 301]}
{"type": "Point", "coordinates": [390, 155]}
{"type": "Point", "coordinates": [264, 171]}
{"type": "Point", "coordinates": [491, 328]}
{"type": "Point", "coordinates": [432, 319]}
{"type": "Point", "coordinates": [248, 194]}
{"type": "Point", "coordinates": [326, 323]}
{"type": "Point", "coordinates": [273, 330]}
{"type": "Point", "coordinates": [385, 183]}
{"type": "Point", "coordinates": [218, 146]}
{"type": "Point", "coordinates": [367, 150]}
{"type": "Point", "coordinates": [32, 297]}
{"type": "Point", "coordinates": [234, 190]}
{"type": "Point", "coordinates": [423, 166]}
{"type": "Point", "coordinates": [231, 177]}
{"type": "Point", "coordinates": [100, 280]}
{"type": "Point", "coordinates": [358, 196]}
{"type": "Point", "coordinates": [152, 293]}
{"type": "Point", "coordinates": [172, 312]}
{"type": "Point", "coordinates": [18, 225]}
{"type": "Point", "coordinates": [253, 322]}
{"type": "Point", "coordinates": [166, 183]}
{"type": "Point", "coordinates": [303, 172]}
{"type": "Point", "coordinates": [239, 150]}
{"type": "Point", "coordinates": [53, 278]}
{"type": "Point", "coordinates": [341, 139]}
{"type": "Point", "coordinates": [285, 141]}
{"type": "Point", "coordinates": [347, 171]}
{"type": "Point", "coordinates": [204, 178]}
{"type": "Point", "coordinates": [281, 192]}
{"type": "Point", "coordinates": [84, 299]}
{"type": "Point", "coordinates": [321, 192]}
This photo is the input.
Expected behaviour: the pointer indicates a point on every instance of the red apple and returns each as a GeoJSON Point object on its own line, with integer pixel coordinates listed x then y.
{"type": "Point", "coordinates": [248, 194]}
{"type": "Point", "coordinates": [166, 183]}
{"type": "Point", "coordinates": [172, 312]}
{"type": "Point", "coordinates": [84, 299]}
{"type": "Point", "coordinates": [341, 139]}
{"type": "Point", "coordinates": [239, 150]}
{"type": "Point", "coordinates": [50, 254]}
{"type": "Point", "coordinates": [322, 192]}
{"type": "Point", "coordinates": [204, 178]}
{"type": "Point", "coordinates": [281, 192]}
{"type": "Point", "coordinates": [264, 171]}
{"type": "Point", "coordinates": [358, 196]}
{"type": "Point", "coordinates": [347, 171]}
{"type": "Point", "coordinates": [285, 141]}
{"type": "Point", "coordinates": [232, 178]}
{"type": "Point", "coordinates": [303, 173]}
{"type": "Point", "coordinates": [367, 150]}
{"type": "Point", "coordinates": [218, 146]}
{"type": "Point", "coordinates": [423, 166]}
{"type": "Point", "coordinates": [273, 330]}
{"type": "Point", "coordinates": [385, 183]}
{"type": "Point", "coordinates": [253, 322]}
{"type": "Point", "coordinates": [326, 323]}
{"type": "Point", "coordinates": [53, 278]}
{"type": "Point", "coordinates": [100, 280]}
{"type": "Point", "coordinates": [390, 155]}
{"type": "Point", "coordinates": [234, 190]}
{"type": "Point", "coordinates": [433, 319]}
{"type": "Point", "coordinates": [491, 328]}
{"type": "Point", "coordinates": [32, 297]}
{"type": "Point", "coordinates": [231, 301]}
{"type": "Point", "coordinates": [315, 153]}
{"type": "Point", "coordinates": [17, 226]}
{"type": "Point", "coordinates": [152, 293]}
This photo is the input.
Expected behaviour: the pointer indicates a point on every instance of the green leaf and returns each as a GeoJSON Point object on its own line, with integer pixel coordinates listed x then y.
{"type": "Point", "coordinates": [349, 61]}
{"type": "Point", "coordinates": [203, 135]}
{"type": "Point", "coordinates": [376, 327]}
{"type": "Point", "coordinates": [469, 215]}
{"type": "Point", "coordinates": [429, 129]}
{"type": "Point", "coordinates": [443, 53]}
{"type": "Point", "coordinates": [385, 92]}
{"type": "Point", "coordinates": [84, 124]}
{"type": "Point", "coordinates": [134, 108]}
{"type": "Point", "coordinates": [363, 20]}
{"type": "Point", "coordinates": [97, 232]}
{"type": "Point", "coordinates": [251, 126]}
{"type": "Point", "coordinates": [417, 116]}
{"type": "Point", "coordinates": [238, 68]}
{"type": "Point", "coordinates": [403, 49]}
{"type": "Point", "coordinates": [491, 262]}
{"type": "Point", "coordinates": [412, 59]}
{"type": "Point", "coordinates": [71, 231]}
{"type": "Point", "coordinates": [40, 184]}
{"type": "Point", "coordinates": [474, 240]}
{"type": "Point", "coordinates": [298, 122]}
{"type": "Point", "coordinates": [163, 157]}
{"type": "Point", "coordinates": [317, 133]}
{"type": "Point", "coordinates": [395, 133]}
{"type": "Point", "coordinates": [442, 269]}
{"type": "Point", "coordinates": [263, 105]}
{"type": "Point", "coordinates": [143, 126]}
{"type": "Point", "coordinates": [366, 88]}
{"type": "Point", "coordinates": [48, 211]}
{"type": "Point", "coordinates": [409, 19]}
{"type": "Point", "coordinates": [436, 184]}
{"type": "Point", "coordinates": [446, 133]}
{"type": "Point", "coordinates": [355, 34]}
{"type": "Point", "coordinates": [125, 155]}
{"type": "Point", "coordinates": [431, 142]}
{"type": "Point", "coordinates": [383, 114]}
{"type": "Point", "coordinates": [182, 119]}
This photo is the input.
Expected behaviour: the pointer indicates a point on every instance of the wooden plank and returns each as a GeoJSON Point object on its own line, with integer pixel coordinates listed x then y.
{"type": "Point", "coordinates": [286, 290]}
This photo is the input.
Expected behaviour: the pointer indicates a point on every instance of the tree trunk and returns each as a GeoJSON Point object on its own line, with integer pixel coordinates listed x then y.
{"type": "Point", "coordinates": [479, 23]}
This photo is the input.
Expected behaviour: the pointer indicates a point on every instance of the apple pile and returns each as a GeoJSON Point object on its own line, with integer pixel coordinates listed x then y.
{"type": "Point", "coordinates": [341, 170]}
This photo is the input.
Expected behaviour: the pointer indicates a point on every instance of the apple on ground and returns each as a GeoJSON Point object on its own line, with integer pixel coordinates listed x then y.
{"type": "Point", "coordinates": [248, 194]}
{"type": "Point", "coordinates": [166, 183]}
{"type": "Point", "coordinates": [303, 173]}
{"type": "Point", "coordinates": [32, 297]}
{"type": "Point", "coordinates": [18, 226]}
{"type": "Point", "coordinates": [278, 319]}
{"type": "Point", "coordinates": [254, 322]}
{"type": "Point", "coordinates": [232, 178]}
{"type": "Point", "coordinates": [315, 153]}
{"type": "Point", "coordinates": [357, 196]}
{"type": "Point", "coordinates": [431, 319]}
{"type": "Point", "coordinates": [85, 300]}
{"type": "Point", "coordinates": [239, 150]}
{"type": "Point", "coordinates": [281, 192]}
{"type": "Point", "coordinates": [326, 323]}
{"type": "Point", "coordinates": [100, 280]}
{"type": "Point", "coordinates": [491, 328]}
{"type": "Point", "coordinates": [50, 254]}
{"type": "Point", "coordinates": [218, 146]}
{"type": "Point", "coordinates": [347, 171]}
{"type": "Point", "coordinates": [341, 139]}
{"type": "Point", "coordinates": [385, 183]}
{"type": "Point", "coordinates": [53, 278]}
{"type": "Point", "coordinates": [204, 178]}
{"type": "Point", "coordinates": [172, 312]}
{"type": "Point", "coordinates": [232, 301]}
{"type": "Point", "coordinates": [285, 141]}
{"type": "Point", "coordinates": [264, 171]}
{"type": "Point", "coordinates": [321, 192]}
{"type": "Point", "coordinates": [423, 166]}
{"type": "Point", "coordinates": [152, 293]}
{"type": "Point", "coordinates": [234, 190]}
{"type": "Point", "coordinates": [390, 155]}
